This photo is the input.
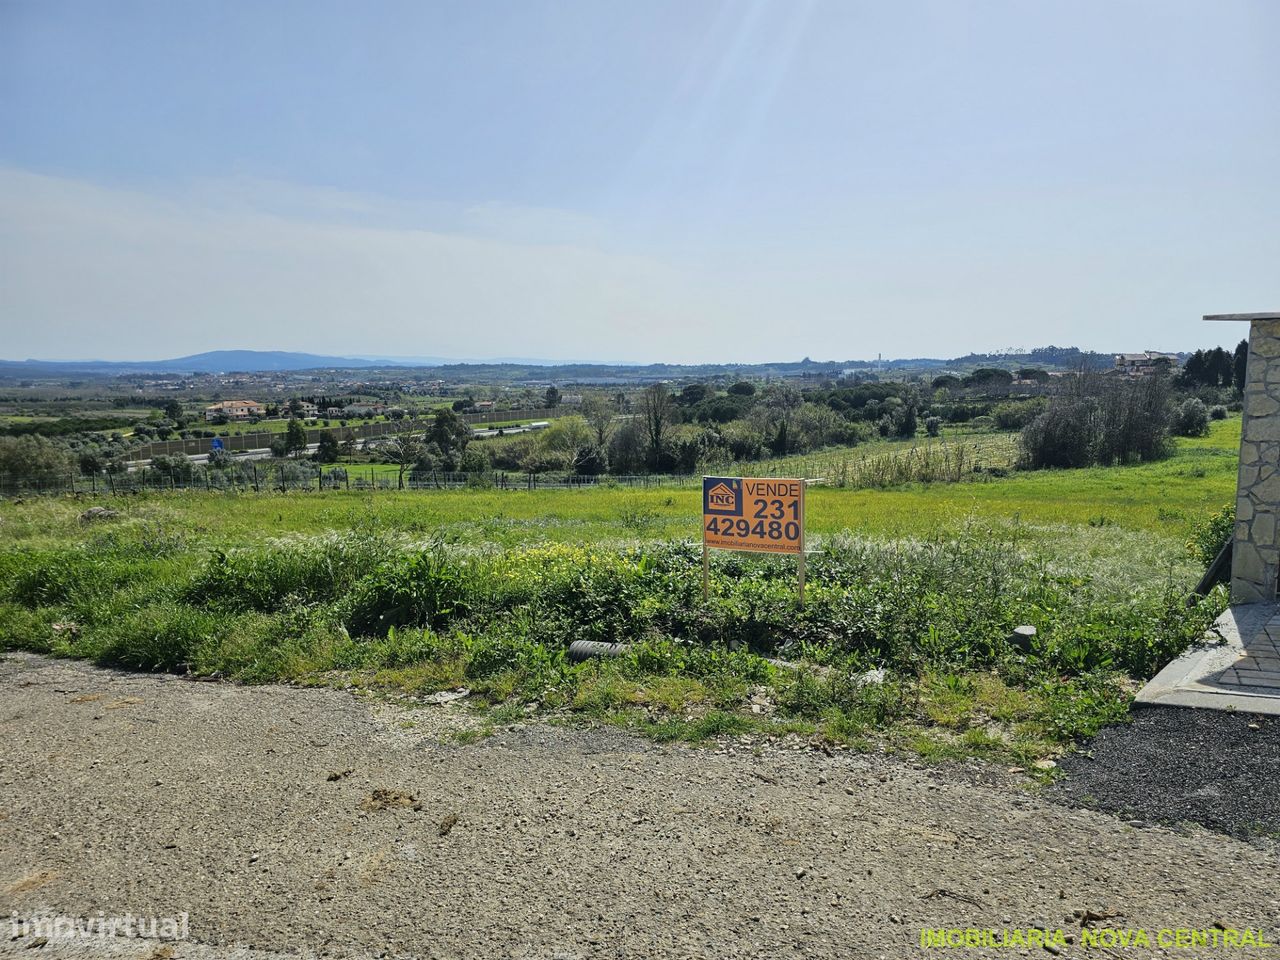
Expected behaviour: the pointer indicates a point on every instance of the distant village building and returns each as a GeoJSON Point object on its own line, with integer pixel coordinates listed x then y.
{"type": "Point", "coordinates": [1146, 363]}
{"type": "Point", "coordinates": [306, 409]}
{"type": "Point", "coordinates": [572, 399]}
{"type": "Point", "coordinates": [234, 410]}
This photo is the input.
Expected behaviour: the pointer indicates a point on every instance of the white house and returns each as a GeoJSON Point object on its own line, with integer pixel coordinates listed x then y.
{"type": "Point", "coordinates": [234, 410]}
{"type": "Point", "coordinates": [1145, 363]}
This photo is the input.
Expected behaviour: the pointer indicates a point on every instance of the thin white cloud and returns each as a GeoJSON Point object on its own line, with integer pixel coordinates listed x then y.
{"type": "Point", "coordinates": [91, 270]}
{"type": "Point", "coordinates": [88, 270]}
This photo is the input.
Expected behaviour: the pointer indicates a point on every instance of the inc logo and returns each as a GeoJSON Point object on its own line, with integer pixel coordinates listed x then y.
{"type": "Point", "coordinates": [722, 496]}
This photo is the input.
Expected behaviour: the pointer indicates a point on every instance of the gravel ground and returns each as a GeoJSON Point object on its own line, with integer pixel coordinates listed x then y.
{"type": "Point", "coordinates": [308, 821]}
{"type": "Point", "coordinates": [1174, 765]}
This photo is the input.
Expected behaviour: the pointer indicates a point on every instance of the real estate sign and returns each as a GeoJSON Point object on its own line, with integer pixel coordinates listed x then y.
{"type": "Point", "coordinates": [757, 514]}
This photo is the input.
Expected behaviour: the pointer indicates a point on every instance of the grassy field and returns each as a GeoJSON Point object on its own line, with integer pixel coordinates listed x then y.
{"type": "Point", "coordinates": [414, 591]}
{"type": "Point", "coordinates": [1160, 499]}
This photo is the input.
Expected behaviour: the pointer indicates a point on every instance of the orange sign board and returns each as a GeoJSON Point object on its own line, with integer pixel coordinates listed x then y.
{"type": "Point", "coordinates": [761, 515]}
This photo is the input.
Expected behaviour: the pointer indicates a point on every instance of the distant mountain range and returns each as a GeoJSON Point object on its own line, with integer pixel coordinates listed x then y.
{"type": "Point", "coordinates": [215, 361]}
{"type": "Point", "coordinates": [267, 361]}
{"type": "Point", "coordinates": [248, 361]}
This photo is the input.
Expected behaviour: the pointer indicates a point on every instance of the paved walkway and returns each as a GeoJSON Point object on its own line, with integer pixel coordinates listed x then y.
{"type": "Point", "coordinates": [1241, 673]}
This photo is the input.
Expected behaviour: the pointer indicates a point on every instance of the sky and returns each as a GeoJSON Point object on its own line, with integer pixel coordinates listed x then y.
{"type": "Point", "coordinates": [634, 180]}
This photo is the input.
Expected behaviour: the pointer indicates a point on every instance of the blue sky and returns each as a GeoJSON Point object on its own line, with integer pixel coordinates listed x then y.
{"type": "Point", "coordinates": [686, 181]}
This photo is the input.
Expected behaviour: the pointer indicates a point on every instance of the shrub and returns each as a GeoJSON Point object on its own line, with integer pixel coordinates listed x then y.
{"type": "Point", "coordinates": [1062, 436]}
{"type": "Point", "coordinates": [1217, 412]}
{"type": "Point", "coordinates": [847, 694]}
{"type": "Point", "coordinates": [1210, 534]}
{"type": "Point", "coordinates": [424, 588]}
{"type": "Point", "coordinates": [261, 578]}
{"type": "Point", "coordinates": [1191, 418]}
{"type": "Point", "coordinates": [933, 426]}
{"type": "Point", "coordinates": [1100, 420]}
{"type": "Point", "coordinates": [1015, 415]}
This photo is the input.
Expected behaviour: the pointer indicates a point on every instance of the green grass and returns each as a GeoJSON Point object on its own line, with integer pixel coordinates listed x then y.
{"type": "Point", "coordinates": [1161, 499]}
{"type": "Point", "coordinates": [418, 591]}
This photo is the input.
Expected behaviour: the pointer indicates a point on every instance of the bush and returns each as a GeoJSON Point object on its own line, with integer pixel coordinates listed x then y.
{"type": "Point", "coordinates": [1191, 419]}
{"type": "Point", "coordinates": [1062, 436]}
{"type": "Point", "coordinates": [1100, 420]}
{"type": "Point", "coordinates": [1217, 412]}
{"type": "Point", "coordinates": [425, 589]}
{"type": "Point", "coordinates": [262, 578]}
{"type": "Point", "coordinates": [1015, 415]}
{"type": "Point", "coordinates": [1210, 534]}
{"type": "Point", "coordinates": [933, 426]}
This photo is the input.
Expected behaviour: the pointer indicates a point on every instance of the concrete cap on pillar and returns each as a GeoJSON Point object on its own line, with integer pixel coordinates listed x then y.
{"type": "Point", "coordinates": [1242, 316]}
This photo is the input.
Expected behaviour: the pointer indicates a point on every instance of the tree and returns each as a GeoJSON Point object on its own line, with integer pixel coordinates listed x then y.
{"type": "Point", "coordinates": [177, 466]}
{"type": "Point", "coordinates": [34, 458]}
{"type": "Point", "coordinates": [294, 406]}
{"type": "Point", "coordinates": [404, 451]}
{"type": "Point", "coordinates": [743, 389]}
{"type": "Point", "coordinates": [908, 424]}
{"type": "Point", "coordinates": [1096, 419]}
{"type": "Point", "coordinates": [569, 441]}
{"type": "Point", "coordinates": [628, 447]}
{"type": "Point", "coordinates": [451, 434]}
{"type": "Point", "coordinates": [1240, 365]}
{"type": "Point", "coordinates": [173, 410]}
{"type": "Point", "coordinates": [657, 414]}
{"type": "Point", "coordinates": [988, 377]}
{"type": "Point", "coordinates": [692, 394]}
{"type": "Point", "coordinates": [599, 414]}
{"type": "Point", "coordinates": [552, 397]}
{"type": "Point", "coordinates": [773, 413]}
{"type": "Point", "coordinates": [295, 437]}
{"type": "Point", "coordinates": [1191, 419]}
{"type": "Point", "coordinates": [1221, 367]}
{"type": "Point", "coordinates": [327, 448]}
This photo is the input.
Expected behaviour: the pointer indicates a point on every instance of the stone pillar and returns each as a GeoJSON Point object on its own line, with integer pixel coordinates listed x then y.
{"type": "Point", "coordinates": [1255, 551]}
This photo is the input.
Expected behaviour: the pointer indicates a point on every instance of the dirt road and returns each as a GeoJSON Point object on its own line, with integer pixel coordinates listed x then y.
{"type": "Point", "coordinates": [308, 821]}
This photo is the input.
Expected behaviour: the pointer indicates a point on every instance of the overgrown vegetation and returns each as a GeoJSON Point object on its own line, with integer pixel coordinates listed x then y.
{"type": "Point", "coordinates": [411, 592]}
{"type": "Point", "coordinates": [935, 613]}
{"type": "Point", "coordinates": [1101, 420]}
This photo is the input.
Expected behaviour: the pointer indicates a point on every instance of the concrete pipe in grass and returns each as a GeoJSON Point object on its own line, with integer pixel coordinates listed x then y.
{"type": "Point", "coordinates": [587, 649]}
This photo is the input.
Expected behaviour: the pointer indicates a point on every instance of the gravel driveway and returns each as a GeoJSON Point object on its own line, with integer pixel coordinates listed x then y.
{"type": "Point", "coordinates": [308, 821]}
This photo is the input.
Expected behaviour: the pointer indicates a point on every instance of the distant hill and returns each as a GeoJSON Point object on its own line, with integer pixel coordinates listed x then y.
{"type": "Point", "coordinates": [215, 361]}
{"type": "Point", "coordinates": [517, 369]}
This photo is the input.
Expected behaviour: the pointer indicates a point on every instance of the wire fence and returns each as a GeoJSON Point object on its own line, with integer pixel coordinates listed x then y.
{"type": "Point", "coordinates": [293, 475]}
{"type": "Point", "coordinates": [929, 462]}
